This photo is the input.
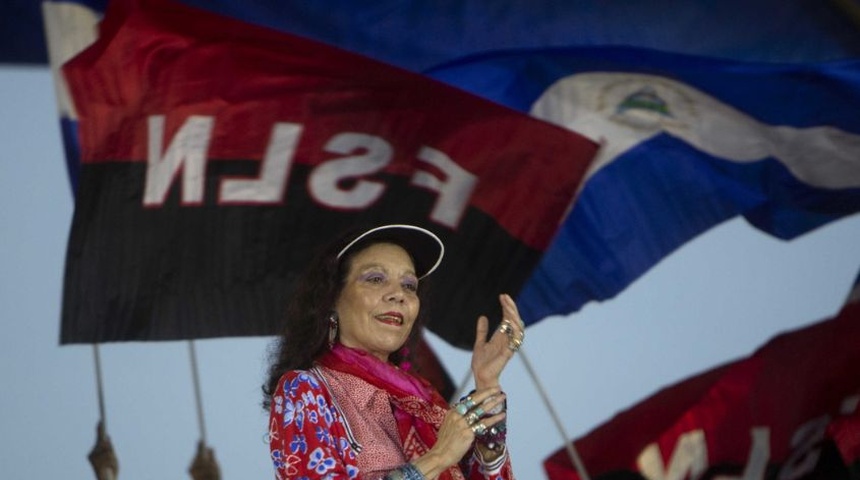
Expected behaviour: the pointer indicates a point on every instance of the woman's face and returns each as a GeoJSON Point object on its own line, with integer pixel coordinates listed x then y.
{"type": "Point", "coordinates": [379, 301]}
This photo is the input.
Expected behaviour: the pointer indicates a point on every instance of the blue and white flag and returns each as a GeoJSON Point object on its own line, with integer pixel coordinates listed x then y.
{"type": "Point", "coordinates": [687, 142]}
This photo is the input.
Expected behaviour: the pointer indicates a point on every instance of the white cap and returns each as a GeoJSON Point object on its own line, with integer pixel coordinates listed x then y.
{"type": "Point", "coordinates": [425, 248]}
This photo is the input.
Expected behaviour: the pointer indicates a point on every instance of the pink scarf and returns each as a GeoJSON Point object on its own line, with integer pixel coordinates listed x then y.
{"type": "Point", "coordinates": [418, 408]}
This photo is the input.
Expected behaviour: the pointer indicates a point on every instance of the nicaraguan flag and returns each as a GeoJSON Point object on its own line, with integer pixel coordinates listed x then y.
{"type": "Point", "coordinates": [687, 142]}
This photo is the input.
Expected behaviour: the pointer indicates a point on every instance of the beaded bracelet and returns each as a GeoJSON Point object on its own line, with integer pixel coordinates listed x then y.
{"type": "Point", "coordinates": [494, 438]}
{"type": "Point", "coordinates": [405, 472]}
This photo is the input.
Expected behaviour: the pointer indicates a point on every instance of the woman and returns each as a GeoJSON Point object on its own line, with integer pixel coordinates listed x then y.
{"type": "Point", "coordinates": [340, 407]}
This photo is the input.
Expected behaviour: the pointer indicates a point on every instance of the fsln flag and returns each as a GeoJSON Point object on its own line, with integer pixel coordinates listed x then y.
{"type": "Point", "coordinates": [686, 143]}
{"type": "Point", "coordinates": [215, 155]}
{"type": "Point", "coordinates": [790, 410]}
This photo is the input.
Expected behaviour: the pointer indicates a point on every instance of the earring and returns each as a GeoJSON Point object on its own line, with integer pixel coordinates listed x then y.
{"type": "Point", "coordinates": [332, 329]}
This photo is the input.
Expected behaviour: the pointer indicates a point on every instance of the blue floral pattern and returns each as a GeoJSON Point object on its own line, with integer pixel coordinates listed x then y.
{"type": "Point", "coordinates": [308, 422]}
{"type": "Point", "coordinates": [299, 444]}
{"type": "Point", "coordinates": [320, 462]}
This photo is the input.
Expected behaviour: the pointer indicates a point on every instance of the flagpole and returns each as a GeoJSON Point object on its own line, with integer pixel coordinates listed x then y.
{"type": "Point", "coordinates": [102, 457]}
{"type": "Point", "coordinates": [203, 466]}
{"type": "Point", "coordinates": [197, 396]}
{"type": "Point", "coordinates": [568, 445]}
{"type": "Point", "coordinates": [99, 388]}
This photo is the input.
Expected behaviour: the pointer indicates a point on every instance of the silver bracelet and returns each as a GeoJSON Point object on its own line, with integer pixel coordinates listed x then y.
{"type": "Point", "coordinates": [406, 472]}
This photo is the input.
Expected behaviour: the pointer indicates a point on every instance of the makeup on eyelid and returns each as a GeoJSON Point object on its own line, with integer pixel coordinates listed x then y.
{"type": "Point", "coordinates": [409, 281]}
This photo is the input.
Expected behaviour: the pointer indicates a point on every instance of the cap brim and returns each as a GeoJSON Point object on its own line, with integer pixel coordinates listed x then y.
{"type": "Point", "coordinates": [425, 248]}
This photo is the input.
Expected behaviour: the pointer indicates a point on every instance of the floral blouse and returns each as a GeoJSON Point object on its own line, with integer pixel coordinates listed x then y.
{"type": "Point", "coordinates": [309, 437]}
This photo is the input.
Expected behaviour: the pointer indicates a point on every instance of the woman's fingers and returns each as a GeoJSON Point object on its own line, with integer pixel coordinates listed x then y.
{"type": "Point", "coordinates": [510, 311]}
{"type": "Point", "coordinates": [458, 430]}
{"type": "Point", "coordinates": [481, 396]}
{"type": "Point", "coordinates": [512, 325]}
{"type": "Point", "coordinates": [489, 357]}
{"type": "Point", "coordinates": [492, 400]}
{"type": "Point", "coordinates": [481, 331]}
{"type": "Point", "coordinates": [480, 404]}
{"type": "Point", "coordinates": [487, 422]}
{"type": "Point", "coordinates": [454, 439]}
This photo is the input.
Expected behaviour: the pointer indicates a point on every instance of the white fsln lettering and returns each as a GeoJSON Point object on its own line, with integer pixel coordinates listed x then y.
{"type": "Point", "coordinates": [758, 459]}
{"type": "Point", "coordinates": [186, 153]}
{"type": "Point", "coordinates": [268, 187]}
{"type": "Point", "coordinates": [806, 443]}
{"type": "Point", "coordinates": [691, 454]}
{"type": "Point", "coordinates": [454, 193]}
{"type": "Point", "coordinates": [324, 180]}
{"type": "Point", "coordinates": [339, 183]}
{"type": "Point", "coordinates": [689, 457]}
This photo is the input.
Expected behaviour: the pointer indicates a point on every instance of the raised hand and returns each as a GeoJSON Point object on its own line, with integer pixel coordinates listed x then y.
{"type": "Point", "coordinates": [489, 357]}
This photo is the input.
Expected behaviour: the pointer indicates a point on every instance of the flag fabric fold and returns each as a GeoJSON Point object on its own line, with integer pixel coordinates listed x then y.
{"type": "Point", "coordinates": [216, 154]}
{"type": "Point", "coordinates": [686, 143]}
{"type": "Point", "coordinates": [789, 410]}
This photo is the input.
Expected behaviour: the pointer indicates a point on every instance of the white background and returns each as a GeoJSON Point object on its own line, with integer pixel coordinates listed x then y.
{"type": "Point", "coordinates": [716, 299]}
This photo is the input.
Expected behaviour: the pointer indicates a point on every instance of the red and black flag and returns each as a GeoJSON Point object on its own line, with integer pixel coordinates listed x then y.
{"type": "Point", "coordinates": [216, 155]}
{"type": "Point", "coordinates": [789, 411]}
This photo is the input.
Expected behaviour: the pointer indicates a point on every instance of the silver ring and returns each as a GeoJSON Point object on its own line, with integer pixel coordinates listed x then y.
{"type": "Point", "coordinates": [479, 428]}
{"type": "Point", "coordinates": [461, 408]}
{"type": "Point", "coordinates": [472, 417]}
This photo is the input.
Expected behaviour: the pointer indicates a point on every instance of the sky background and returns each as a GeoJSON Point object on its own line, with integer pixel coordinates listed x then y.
{"type": "Point", "coordinates": [716, 299]}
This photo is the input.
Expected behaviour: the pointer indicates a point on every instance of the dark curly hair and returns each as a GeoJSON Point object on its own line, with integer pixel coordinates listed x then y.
{"type": "Point", "coordinates": [304, 337]}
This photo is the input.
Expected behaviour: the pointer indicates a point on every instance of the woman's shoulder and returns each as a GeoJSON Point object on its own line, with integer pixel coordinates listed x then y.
{"type": "Point", "coordinates": [296, 382]}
